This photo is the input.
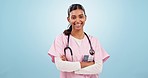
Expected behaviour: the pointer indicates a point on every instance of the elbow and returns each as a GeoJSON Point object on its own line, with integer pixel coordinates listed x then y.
{"type": "Point", "coordinates": [62, 67]}
{"type": "Point", "coordinates": [59, 66]}
{"type": "Point", "coordinates": [97, 70]}
{"type": "Point", "coordinates": [100, 69]}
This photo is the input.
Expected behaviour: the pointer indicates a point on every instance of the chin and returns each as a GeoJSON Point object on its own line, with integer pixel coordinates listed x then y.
{"type": "Point", "coordinates": [78, 28]}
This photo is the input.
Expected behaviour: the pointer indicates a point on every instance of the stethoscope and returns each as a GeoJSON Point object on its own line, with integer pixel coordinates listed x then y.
{"type": "Point", "coordinates": [91, 51]}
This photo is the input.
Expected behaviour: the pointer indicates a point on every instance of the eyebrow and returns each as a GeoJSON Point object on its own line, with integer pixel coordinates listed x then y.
{"type": "Point", "coordinates": [79, 14]}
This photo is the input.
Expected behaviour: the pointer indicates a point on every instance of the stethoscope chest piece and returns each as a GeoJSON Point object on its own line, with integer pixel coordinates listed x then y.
{"type": "Point", "coordinates": [92, 52]}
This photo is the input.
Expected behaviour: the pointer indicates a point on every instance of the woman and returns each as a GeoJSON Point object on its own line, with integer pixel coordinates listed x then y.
{"type": "Point", "coordinates": [76, 54]}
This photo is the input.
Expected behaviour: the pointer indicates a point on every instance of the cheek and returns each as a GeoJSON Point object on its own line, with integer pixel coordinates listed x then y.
{"type": "Point", "coordinates": [72, 21]}
{"type": "Point", "coordinates": [83, 20]}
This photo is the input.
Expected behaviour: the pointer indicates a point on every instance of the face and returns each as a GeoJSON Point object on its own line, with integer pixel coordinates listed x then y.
{"type": "Point", "coordinates": [77, 19]}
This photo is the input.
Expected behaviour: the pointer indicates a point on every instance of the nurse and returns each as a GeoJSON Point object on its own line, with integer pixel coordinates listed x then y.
{"type": "Point", "coordinates": [84, 56]}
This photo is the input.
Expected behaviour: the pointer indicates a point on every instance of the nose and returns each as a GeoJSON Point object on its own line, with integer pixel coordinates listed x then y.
{"type": "Point", "coordinates": [78, 20]}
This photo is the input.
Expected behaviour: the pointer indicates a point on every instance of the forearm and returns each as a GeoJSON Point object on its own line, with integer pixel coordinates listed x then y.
{"type": "Point", "coordinates": [93, 69]}
{"type": "Point", "coordinates": [83, 64]}
{"type": "Point", "coordinates": [66, 66]}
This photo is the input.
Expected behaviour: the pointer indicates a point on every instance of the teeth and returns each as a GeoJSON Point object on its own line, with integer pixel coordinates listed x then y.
{"type": "Point", "coordinates": [78, 24]}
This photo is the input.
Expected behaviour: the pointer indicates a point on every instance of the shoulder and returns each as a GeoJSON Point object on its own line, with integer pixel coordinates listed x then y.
{"type": "Point", "coordinates": [93, 38]}
{"type": "Point", "coordinates": [61, 37]}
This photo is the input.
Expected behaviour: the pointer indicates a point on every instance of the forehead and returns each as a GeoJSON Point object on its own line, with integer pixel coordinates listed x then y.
{"type": "Point", "coordinates": [77, 12]}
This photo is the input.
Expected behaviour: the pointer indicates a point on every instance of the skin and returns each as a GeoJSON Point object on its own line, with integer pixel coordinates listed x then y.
{"type": "Point", "coordinates": [83, 64]}
{"type": "Point", "coordinates": [77, 19]}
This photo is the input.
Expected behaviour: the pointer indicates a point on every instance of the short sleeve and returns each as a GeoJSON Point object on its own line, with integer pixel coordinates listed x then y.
{"type": "Point", "coordinates": [100, 53]}
{"type": "Point", "coordinates": [56, 48]}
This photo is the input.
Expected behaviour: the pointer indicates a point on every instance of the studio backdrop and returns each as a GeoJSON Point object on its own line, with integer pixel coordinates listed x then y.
{"type": "Point", "coordinates": [29, 27]}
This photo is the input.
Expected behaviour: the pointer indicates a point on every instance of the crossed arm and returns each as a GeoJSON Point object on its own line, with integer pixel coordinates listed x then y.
{"type": "Point", "coordinates": [78, 67]}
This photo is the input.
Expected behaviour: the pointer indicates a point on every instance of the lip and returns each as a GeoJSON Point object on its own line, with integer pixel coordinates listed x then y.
{"type": "Point", "coordinates": [78, 25]}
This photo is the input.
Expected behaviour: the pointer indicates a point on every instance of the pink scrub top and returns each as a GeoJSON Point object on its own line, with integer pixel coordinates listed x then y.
{"type": "Point", "coordinates": [57, 49]}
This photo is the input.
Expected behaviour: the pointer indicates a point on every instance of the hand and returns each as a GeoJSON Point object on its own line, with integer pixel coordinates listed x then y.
{"type": "Point", "coordinates": [63, 57]}
{"type": "Point", "coordinates": [85, 64]}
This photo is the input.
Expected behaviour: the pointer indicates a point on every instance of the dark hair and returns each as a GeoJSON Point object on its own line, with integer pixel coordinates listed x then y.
{"type": "Point", "coordinates": [71, 8]}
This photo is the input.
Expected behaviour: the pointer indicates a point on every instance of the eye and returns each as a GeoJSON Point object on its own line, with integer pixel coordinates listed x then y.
{"type": "Point", "coordinates": [81, 16]}
{"type": "Point", "coordinates": [73, 17]}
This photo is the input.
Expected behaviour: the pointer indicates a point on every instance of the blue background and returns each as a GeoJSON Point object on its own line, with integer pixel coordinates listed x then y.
{"type": "Point", "coordinates": [29, 27]}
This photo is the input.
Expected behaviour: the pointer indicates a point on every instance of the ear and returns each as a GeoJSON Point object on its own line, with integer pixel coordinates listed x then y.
{"type": "Point", "coordinates": [85, 17]}
{"type": "Point", "coordinates": [68, 19]}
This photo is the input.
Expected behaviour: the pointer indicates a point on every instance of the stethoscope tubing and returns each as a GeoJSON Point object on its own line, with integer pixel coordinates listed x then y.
{"type": "Point", "coordinates": [91, 51]}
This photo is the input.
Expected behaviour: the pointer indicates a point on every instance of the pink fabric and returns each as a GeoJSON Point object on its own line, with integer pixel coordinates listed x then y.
{"type": "Point", "coordinates": [57, 49]}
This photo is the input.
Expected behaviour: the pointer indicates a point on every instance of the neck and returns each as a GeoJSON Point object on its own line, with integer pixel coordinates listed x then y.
{"type": "Point", "coordinates": [78, 34]}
